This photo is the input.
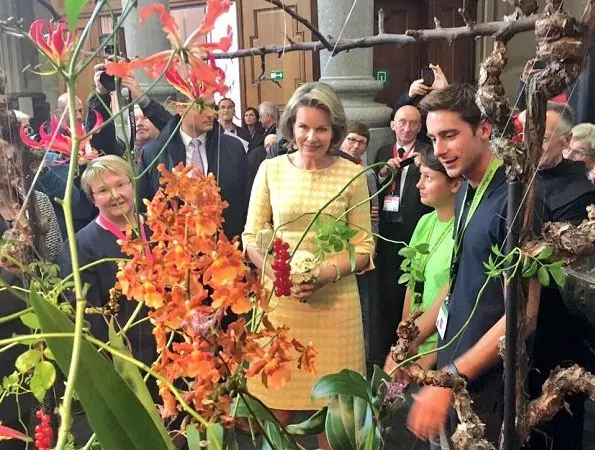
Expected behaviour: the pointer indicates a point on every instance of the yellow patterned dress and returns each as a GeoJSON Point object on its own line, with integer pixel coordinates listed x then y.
{"type": "Point", "coordinates": [331, 319]}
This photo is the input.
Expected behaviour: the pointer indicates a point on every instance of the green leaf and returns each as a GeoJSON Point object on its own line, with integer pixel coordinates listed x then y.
{"type": "Point", "coordinates": [349, 420]}
{"type": "Point", "coordinates": [73, 9]}
{"type": "Point", "coordinates": [215, 435]}
{"type": "Point", "coordinates": [348, 233]}
{"type": "Point", "coordinates": [531, 270]}
{"type": "Point", "coordinates": [27, 360]}
{"type": "Point", "coordinates": [558, 275]}
{"type": "Point", "coordinates": [545, 253]}
{"type": "Point", "coordinates": [408, 252]}
{"type": "Point", "coordinates": [496, 251]}
{"type": "Point", "coordinates": [312, 426]}
{"type": "Point", "coordinates": [246, 406]}
{"type": "Point", "coordinates": [193, 437]}
{"type": "Point", "coordinates": [131, 375]}
{"type": "Point", "coordinates": [346, 382]}
{"type": "Point", "coordinates": [10, 381]}
{"type": "Point", "coordinates": [378, 376]}
{"type": "Point", "coordinates": [543, 276]}
{"type": "Point", "coordinates": [351, 252]}
{"type": "Point", "coordinates": [30, 320]}
{"type": "Point", "coordinates": [423, 248]}
{"type": "Point", "coordinates": [373, 439]}
{"type": "Point", "coordinates": [43, 379]}
{"type": "Point", "coordinates": [116, 415]}
{"type": "Point", "coordinates": [404, 278]}
{"type": "Point", "coordinates": [277, 438]}
{"type": "Point", "coordinates": [335, 429]}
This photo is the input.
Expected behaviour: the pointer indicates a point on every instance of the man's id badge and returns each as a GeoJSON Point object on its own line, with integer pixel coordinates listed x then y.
{"type": "Point", "coordinates": [391, 203]}
{"type": "Point", "coordinates": [442, 320]}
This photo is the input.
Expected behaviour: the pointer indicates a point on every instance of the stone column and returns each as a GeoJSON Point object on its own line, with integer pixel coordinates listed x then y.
{"type": "Point", "coordinates": [351, 73]}
{"type": "Point", "coordinates": [144, 40]}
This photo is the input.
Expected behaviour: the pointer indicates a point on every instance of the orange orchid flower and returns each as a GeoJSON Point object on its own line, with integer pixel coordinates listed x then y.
{"type": "Point", "coordinates": [55, 43]}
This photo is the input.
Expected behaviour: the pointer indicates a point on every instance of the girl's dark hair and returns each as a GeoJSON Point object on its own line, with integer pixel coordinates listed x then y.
{"type": "Point", "coordinates": [255, 113]}
{"type": "Point", "coordinates": [429, 160]}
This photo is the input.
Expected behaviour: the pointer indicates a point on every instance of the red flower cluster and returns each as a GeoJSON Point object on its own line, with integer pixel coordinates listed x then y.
{"type": "Point", "coordinates": [194, 279]}
{"type": "Point", "coordinates": [55, 43]}
{"type": "Point", "coordinates": [281, 268]}
{"type": "Point", "coordinates": [188, 72]}
{"type": "Point", "coordinates": [43, 432]}
{"type": "Point", "coordinates": [59, 137]}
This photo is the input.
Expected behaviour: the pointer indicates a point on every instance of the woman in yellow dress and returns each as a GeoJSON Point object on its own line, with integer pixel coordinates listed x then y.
{"type": "Point", "coordinates": [326, 311]}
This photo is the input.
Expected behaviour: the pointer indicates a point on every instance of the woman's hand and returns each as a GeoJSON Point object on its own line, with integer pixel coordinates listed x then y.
{"type": "Point", "coordinates": [304, 291]}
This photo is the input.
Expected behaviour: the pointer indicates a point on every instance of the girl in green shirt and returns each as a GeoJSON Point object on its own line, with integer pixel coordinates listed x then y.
{"type": "Point", "coordinates": [439, 191]}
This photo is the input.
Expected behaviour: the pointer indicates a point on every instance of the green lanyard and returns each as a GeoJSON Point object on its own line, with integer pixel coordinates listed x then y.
{"type": "Point", "coordinates": [445, 233]}
{"type": "Point", "coordinates": [488, 176]}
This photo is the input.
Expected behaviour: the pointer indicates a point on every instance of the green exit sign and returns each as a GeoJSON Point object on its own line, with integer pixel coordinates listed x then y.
{"type": "Point", "coordinates": [382, 75]}
{"type": "Point", "coordinates": [276, 74]}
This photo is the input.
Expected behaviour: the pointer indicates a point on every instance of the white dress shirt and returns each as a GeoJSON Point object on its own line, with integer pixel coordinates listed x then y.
{"type": "Point", "coordinates": [203, 149]}
{"type": "Point", "coordinates": [404, 171]}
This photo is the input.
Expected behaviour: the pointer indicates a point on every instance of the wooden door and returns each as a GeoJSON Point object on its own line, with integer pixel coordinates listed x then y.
{"type": "Point", "coordinates": [402, 63]}
{"type": "Point", "coordinates": [457, 58]}
{"type": "Point", "coordinates": [263, 24]}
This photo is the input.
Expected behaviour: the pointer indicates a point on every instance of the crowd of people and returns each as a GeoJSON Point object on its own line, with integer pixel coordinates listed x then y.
{"type": "Point", "coordinates": [440, 185]}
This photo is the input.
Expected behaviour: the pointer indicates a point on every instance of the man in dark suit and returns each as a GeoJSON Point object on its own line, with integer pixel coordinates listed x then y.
{"type": "Point", "coordinates": [400, 210]}
{"type": "Point", "coordinates": [268, 117]}
{"type": "Point", "coordinates": [227, 111]}
{"type": "Point", "coordinates": [201, 142]}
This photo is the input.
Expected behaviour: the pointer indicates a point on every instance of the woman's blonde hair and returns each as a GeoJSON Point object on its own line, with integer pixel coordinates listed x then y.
{"type": "Point", "coordinates": [98, 166]}
{"type": "Point", "coordinates": [315, 95]}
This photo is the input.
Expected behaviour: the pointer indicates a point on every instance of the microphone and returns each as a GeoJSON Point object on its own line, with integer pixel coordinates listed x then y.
{"type": "Point", "coordinates": [407, 162]}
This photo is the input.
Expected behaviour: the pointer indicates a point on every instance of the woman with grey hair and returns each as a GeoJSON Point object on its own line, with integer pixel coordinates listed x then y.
{"type": "Point", "coordinates": [107, 181]}
{"type": "Point", "coordinates": [287, 190]}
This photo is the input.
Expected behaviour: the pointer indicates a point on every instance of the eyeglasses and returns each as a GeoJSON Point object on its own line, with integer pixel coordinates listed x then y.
{"type": "Point", "coordinates": [105, 191]}
{"type": "Point", "coordinates": [359, 142]}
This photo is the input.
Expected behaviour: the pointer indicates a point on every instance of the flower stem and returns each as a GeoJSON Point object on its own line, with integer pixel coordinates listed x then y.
{"type": "Point", "coordinates": [15, 315]}
{"type": "Point", "coordinates": [66, 419]}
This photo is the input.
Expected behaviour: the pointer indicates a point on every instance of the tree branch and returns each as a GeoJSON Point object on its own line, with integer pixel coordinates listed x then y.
{"type": "Point", "coordinates": [380, 21]}
{"type": "Point", "coordinates": [315, 32]}
{"type": "Point", "coordinates": [502, 29]}
{"type": "Point", "coordinates": [47, 5]}
{"type": "Point", "coordinates": [572, 380]}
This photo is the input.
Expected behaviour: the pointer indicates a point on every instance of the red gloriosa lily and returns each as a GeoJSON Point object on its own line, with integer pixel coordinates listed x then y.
{"type": "Point", "coordinates": [8, 433]}
{"type": "Point", "coordinates": [187, 56]}
{"type": "Point", "coordinates": [58, 141]}
{"type": "Point", "coordinates": [53, 43]}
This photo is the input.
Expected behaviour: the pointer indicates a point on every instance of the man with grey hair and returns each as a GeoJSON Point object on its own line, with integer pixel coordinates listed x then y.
{"type": "Point", "coordinates": [269, 116]}
{"type": "Point", "coordinates": [559, 337]}
{"type": "Point", "coordinates": [582, 147]}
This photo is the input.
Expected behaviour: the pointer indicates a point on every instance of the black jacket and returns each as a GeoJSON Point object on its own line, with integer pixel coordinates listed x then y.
{"type": "Point", "coordinates": [411, 208]}
{"type": "Point", "coordinates": [231, 174]}
{"type": "Point", "coordinates": [259, 140]}
{"type": "Point", "coordinates": [105, 140]}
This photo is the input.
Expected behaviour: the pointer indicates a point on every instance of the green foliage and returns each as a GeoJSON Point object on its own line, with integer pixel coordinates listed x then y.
{"type": "Point", "coordinates": [131, 375]}
{"type": "Point", "coordinates": [246, 406]}
{"type": "Point", "coordinates": [214, 438]}
{"type": "Point", "coordinates": [44, 375]}
{"type": "Point", "coordinates": [357, 412]}
{"type": "Point", "coordinates": [311, 426]}
{"type": "Point", "coordinates": [529, 266]}
{"type": "Point", "coordinates": [413, 267]}
{"type": "Point", "coordinates": [346, 382]}
{"type": "Point", "coordinates": [28, 360]}
{"type": "Point", "coordinates": [333, 236]}
{"type": "Point", "coordinates": [73, 9]}
{"type": "Point", "coordinates": [114, 411]}
{"type": "Point", "coordinates": [30, 320]}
